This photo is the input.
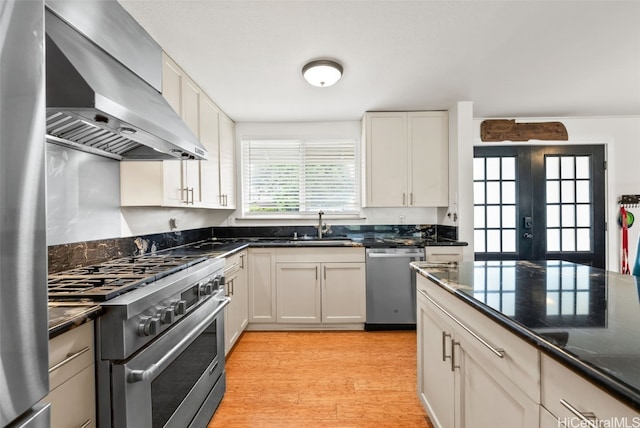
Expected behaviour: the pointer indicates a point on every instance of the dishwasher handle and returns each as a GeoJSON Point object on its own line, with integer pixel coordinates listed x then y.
{"type": "Point", "coordinates": [418, 254]}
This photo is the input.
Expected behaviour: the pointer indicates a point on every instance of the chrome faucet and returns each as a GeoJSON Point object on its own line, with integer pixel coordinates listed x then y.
{"type": "Point", "coordinates": [320, 214]}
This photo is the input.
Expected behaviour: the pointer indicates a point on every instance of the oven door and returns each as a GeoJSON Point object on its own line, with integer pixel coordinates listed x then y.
{"type": "Point", "coordinates": [166, 383]}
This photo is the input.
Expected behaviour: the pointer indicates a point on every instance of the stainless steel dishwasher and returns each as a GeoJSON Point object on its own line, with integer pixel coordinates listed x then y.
{"type": "Point", "coordinates": [391, 288]}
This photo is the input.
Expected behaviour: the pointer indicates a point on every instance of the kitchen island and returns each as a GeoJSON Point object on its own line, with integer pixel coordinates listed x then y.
{"type": "Point", "coordinates": [527, 344]}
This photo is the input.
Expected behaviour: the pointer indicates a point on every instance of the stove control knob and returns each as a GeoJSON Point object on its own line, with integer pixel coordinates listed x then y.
{"type": "Point", "coordinates": [167, 315]}
{"type": "Point", "coordinates": [180, 307]}
{"type": "Point", "coordinates": [217, 282]}
{"type": "Point", "coordinates": [149, 326]}
{"type": "Point", "coordinates": [206, 288]}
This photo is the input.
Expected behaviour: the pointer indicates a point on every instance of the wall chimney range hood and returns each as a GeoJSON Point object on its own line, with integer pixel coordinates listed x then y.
{"type": "Point", "coordinates": [96, 104]}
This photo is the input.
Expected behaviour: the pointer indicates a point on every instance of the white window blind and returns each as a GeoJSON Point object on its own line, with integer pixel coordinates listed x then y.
{"type": "Point", "coordinates": [300, 176]}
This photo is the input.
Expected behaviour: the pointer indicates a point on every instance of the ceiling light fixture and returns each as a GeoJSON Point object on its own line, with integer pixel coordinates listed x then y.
{"type": "Point", "coordinates": [322, 72]}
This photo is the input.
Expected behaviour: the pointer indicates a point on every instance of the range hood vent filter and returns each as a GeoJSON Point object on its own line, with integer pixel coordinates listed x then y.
{"type": "Point", "coordinates": [67, 130]}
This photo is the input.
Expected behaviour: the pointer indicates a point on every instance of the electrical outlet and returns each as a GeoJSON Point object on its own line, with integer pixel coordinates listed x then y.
{"type": "Point", "coordinates": [401, 219]}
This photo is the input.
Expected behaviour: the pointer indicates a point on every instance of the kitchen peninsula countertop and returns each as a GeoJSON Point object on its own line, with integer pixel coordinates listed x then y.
{"type": "Point", "coordinates": [586, 318]}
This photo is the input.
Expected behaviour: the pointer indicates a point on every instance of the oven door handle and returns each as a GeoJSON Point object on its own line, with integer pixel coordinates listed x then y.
{"type": "Point", "coordinates": [134, 376]}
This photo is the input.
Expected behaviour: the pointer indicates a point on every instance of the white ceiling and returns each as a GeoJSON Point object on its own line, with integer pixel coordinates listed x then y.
{"type": "Point", "coordinates": [512, 58]}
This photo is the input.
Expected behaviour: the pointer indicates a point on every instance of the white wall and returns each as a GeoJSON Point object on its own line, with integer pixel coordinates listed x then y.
{"type": "Point", "coordinates": [621, 136]}
{"type": "Point", "coordinates": [83, 196]}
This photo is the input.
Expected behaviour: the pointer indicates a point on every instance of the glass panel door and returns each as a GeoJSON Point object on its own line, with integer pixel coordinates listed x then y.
{"type": "Point", "coordinates": [540, 203]}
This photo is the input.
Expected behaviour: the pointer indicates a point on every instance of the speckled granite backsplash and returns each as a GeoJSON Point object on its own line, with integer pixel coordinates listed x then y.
{"type": "Point", "coordinates": [68, 256]}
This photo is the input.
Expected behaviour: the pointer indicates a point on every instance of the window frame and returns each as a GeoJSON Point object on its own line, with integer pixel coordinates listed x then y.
{"type": "Point", "coordinates": [286, 215]}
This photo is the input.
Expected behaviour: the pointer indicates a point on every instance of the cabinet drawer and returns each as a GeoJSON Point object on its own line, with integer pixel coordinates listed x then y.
{"type": "Point", "coordinates": [73, 403]}
{"type": "Point", "coordinates": [567, 395]}
{"type": "Point", "coordinates": [70, 353]}
{"type": "Point", "coordinates": [321, 255]}
{"type": "Point", "coordinates": [235, 263]}
{"type": "Point", "coordinates": [520, 362]}
{"type": "Point", "coordinates": [443, 254]}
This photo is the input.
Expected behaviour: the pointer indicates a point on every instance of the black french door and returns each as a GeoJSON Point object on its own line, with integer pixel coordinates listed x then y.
{"type": "Point", "coordinates": [540, 203]}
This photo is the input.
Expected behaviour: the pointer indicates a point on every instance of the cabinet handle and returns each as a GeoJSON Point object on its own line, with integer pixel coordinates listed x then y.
{"type": "Point", "coordinates": [444, 345]}
{"type": "Point", "coordinates": [325, 272]}
{"type": "Point", "coordinates": [588, 417]}
{"type": "Point", "coordinates": [192, 195]}
{"type": "Point", "coordinates": [86, 424]}
{"type": "Point", "coordinates": [411, 198]}
{"type": "Point", "coordinates": [70, 357]}
{"type": "Point", "coordinates": [404, 199]}
{"type": "Point", "coordinates": [233, 286]}
{"type": "Point", "coordinates": [241, 261]}
{"type": "Point", "coordinates": [499, 352]}
{"type": "Point", "coordinates": [316, 273]}
{"type": "Point", "coordinates": [453, 355]}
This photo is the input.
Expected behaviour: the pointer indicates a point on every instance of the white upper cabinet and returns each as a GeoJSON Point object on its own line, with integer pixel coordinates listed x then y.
{"type": "Point", "coordinates": [227, 162]}
{"type": "Point", "coordinates": [192, 183]}
{"type": "Point", "coordinates": [407, 159]}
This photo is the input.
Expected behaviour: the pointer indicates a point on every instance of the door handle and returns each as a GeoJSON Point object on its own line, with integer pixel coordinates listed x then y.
{"type": "Point", "coordinates": [527, 235]}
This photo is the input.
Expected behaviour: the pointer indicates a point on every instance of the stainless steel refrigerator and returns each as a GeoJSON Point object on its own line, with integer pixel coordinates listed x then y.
{"type": "Point", "coordinates": [24, 378]}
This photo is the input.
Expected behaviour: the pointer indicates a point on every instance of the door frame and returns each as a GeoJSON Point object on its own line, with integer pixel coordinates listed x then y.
{"type": "Point", "coordinates": [601, 195]}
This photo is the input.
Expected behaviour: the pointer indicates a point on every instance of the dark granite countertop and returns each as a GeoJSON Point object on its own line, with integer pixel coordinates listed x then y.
{"type": "Point", "coordinates": [219, 247]}
{"type": "Point", "coordinates": [63, 316]}
{"type": "Point", "coordinates": [585, 318]}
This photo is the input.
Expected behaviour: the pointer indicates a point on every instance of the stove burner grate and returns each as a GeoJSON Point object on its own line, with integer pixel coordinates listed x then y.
{"type": "Point", "coordinates": [110, 279]}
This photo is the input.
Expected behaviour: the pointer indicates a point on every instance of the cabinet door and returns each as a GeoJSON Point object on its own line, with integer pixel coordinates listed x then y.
{"type": "Point", "coordinates": [436, 379]}
{"type": "Point", "coordinates": [190, 113]}
{"type": "Point", "coordinates": [209, 169]}
{"type": "Point", "coordinates": [343, 292]}
{"type": "Point", "coordinates": [172, 76]}
{"type": "Point", "coordinates": [387, 157]}
{"type": "Point", "coordinates": [298, 292]}
{"type": "Point", "coordinates": [262, 285]}
{"type": "Point", "coordinates": [241, 291]}
{"type": "Point", "coordinates": [231, 330]}
{"type": "Point", "coordinates": [566, 394]}
{"type": "Point", "coordinates": [428, 159]}
{"type": "Point", "coordinates": [227, 162]}
{"type": "Point", "coordinates": [73, 404]}
{"type": "Point", "coordinates": [236, 314]}
{"type": "Point", "coordinates": [488, 398]}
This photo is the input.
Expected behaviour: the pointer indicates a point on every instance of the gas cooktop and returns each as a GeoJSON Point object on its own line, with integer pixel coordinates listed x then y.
{"type": "Point", "coordinates": [109, 279]}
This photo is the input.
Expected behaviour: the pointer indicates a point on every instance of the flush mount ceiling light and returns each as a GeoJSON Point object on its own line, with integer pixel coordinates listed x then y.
{"type": "Point", "coordinates": [322, 72]}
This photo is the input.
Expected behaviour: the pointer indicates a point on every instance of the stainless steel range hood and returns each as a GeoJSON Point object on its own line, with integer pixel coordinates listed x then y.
{"type": "Point", "coordinates": [96, 104]}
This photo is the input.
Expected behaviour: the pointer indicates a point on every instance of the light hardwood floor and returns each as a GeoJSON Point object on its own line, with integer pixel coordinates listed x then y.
{"type": "Point", "coordinates": [322, 379]}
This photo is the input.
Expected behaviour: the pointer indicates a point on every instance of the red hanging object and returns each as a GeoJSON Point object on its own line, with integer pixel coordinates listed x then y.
{"type": "Point", "coordinates": [625, 242]}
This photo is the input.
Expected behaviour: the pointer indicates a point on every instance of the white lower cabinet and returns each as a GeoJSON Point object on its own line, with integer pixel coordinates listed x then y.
{"type": "Point", "coordinates": [436, 379]}
{"type": "Point", "coordinates": [577, 402]}
{"type": "Point", "coordinates": [307, 287]}
{"type": "Point", "coordinates": [443, 253]}
{"type": "Point", "coordinates": [344, 293]}
{"type": "Point", "coordinates": [262, 285]}
{"type": "Point", "coordinates": [323, 285]}
{"type": "Point", "coordinates": [236, 315]}
{"type": "Point", "coordinates": [298, 291]}
{"type": "Point", "coordinates": [321, 292]}
{"type": "Point", "coordinates": [462, 379]}
{"type": "Point", "coordinates": [72, 378]}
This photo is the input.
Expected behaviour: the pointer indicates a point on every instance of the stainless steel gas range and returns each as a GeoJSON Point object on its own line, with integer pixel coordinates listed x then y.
{"type": "Point", "coordinates": [160, 341]}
